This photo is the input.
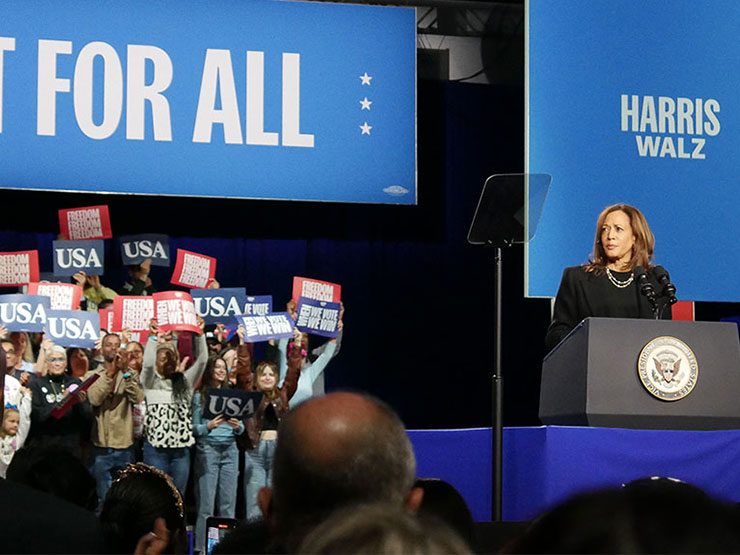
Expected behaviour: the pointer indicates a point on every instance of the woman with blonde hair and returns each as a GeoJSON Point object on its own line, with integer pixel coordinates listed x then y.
{"type": "Point", "coordinates": [606, 286]}
{"type": "Point", "coordinates": [260, 437]}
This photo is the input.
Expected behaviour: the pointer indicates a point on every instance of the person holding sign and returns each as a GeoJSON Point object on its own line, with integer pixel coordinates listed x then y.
{"type": "Point", "coordinates": [138, 282]}
{"type": "Point", "coordinates": [48, 391]}
{"type": "Point", "coordinates": [216, 454]}
{"type": "Point", "coordinates": [259, 441]}
{"type": "Point", "coordinates": [16, 423]}
{"type": "Point", "coordinates": [608, 286]}
{"type": "Point", "coordinates": [168, 387]}
{"type": "Point", "coordinates": [93, 291]}
{"type": "Point", "coordinates": [310, 382]}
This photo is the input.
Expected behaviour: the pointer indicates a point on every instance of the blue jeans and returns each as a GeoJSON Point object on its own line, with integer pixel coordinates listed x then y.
{"type": "Point", "coordinates": [103, 461]}
{"type": "Point", "coordinates": [174, 461]}
{"type": "Point", "coordinates": [257, 474]}
{"type": "Point", "coordinates": [216, 476]}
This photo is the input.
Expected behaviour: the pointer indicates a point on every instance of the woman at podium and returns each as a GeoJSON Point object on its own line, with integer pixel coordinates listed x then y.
{"type": "Point", "coordinates": [608, 286]}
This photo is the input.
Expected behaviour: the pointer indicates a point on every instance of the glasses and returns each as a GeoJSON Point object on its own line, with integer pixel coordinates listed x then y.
{"type": "Point", "coordinates": [57, 359]}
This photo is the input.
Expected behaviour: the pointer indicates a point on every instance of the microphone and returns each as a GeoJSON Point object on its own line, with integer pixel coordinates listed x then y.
{"type": "Point", "coordinates": [669, 290]}
{"type": "Point", "coordinates": [646, 288]}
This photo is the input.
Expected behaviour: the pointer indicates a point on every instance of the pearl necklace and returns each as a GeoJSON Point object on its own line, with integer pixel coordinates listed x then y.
{"type": "Point", "coordinates": [617, 283]}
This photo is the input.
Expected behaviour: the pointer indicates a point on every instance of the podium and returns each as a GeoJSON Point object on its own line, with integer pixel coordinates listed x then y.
{"type": "Point", "coordinates": [593, 376]}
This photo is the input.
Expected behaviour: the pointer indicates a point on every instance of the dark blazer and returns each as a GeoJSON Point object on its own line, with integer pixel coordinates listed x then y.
{"type": "Point", "coordinates": [583, 294]}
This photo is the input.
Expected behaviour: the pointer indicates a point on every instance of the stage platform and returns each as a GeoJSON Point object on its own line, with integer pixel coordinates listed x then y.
{"type": "Point", "coordinates": [545, 465]}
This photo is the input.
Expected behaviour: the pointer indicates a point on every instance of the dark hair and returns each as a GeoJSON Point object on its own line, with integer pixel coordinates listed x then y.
{"type": "Point", "coordinates": [54, 470]}
{"type": "Point", "coordinates": [140, 495]}
{"type": "Point", "coordinates": [205, 383]}
{"type": "Point", "coordinates": [642, 250]}
{"type": "Point", "coordinates": [658, 517]}
{"type": "Point", "coordinates": [376, 464]}
{"type": "Point", "coordinates": [141, 347]}
{"type": "Point", "coordinates": [441, 500]}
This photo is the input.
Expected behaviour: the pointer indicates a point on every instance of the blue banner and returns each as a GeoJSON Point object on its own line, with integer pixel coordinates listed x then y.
{"type": "Point", "coordinates": [318, 317]}
{"type": "Point", "coordinates": [636, 102]}
{"type": "Point", "coordinates": [231, 403]}
{"type": "Point", "coordinates": [73, 328]}
{"type": "Point", "coordinates": [24, 312]}
{"type": "Point", "coordinates": [137, 248]}
{"type": "Point", "coordinates": [71, 257]}
{"type": "Point", "coordinates": [219, 306]}
{"type": "Point", "coordinates": [258, 305]}
{"type": "Point", "coordinates": [264, 328]}
{"type": "Point", "coordinates": [260, 99]}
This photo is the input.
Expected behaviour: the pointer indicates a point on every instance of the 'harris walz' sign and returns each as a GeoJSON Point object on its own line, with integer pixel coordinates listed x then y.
{"type": "Point", "coordinates": [210, 99]}
{"type": "Point", "coordinates": [231, 403]}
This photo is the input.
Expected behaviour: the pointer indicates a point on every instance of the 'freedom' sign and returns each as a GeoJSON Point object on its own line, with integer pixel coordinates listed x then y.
{"type": "Point", "coordinates": [91, 222]}
{"type": "Point", "coordinates": [137, 248]}
{"type": "Point", "coordinates": [264, 328]}
{"type": "Point", "coordinates": [134, 313]}
{"type": "Point", "coordinates": [18, 268]}
{"type": "Point", "coordinates": [73, 328]}
{"type": "Point", "coordinates": [193, 270]}
{"type": "Point", "coordinates": [23, 312]}
{"type": "Point", "coordinates": [318, 317]}
{"type": "Point", "coordinates": [316, 289]}
{"type": "Point", "coordinates": [62, 296]}
{"type": "Point", "coordinates": [174, 310]}
{"type": "Point", "coordinates": [71, 257]}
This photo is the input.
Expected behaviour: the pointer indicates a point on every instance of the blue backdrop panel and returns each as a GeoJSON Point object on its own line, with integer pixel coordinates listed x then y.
{"type": "Point", "coordinates": [259, 99]}
{"type": "Point", "coordinates": [460, 457]}
{"type": "Point", "coordinates": [636, 102]}
{"type": "Point", "coordinates": [545, 465]}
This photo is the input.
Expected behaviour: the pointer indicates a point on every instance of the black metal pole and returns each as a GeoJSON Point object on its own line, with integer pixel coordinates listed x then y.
{"type": "Point", "coordinates": [497, 401]}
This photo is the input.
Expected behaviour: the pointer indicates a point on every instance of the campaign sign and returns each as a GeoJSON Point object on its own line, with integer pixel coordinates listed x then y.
{"type": "Point", "coordinates": [134, 313]}
{"type": "Point", "coordinates": [251, 99]}
{"type": "Point", "coordinates": [71, 257]}
{"type": "Point", "coordinates": [137, 248]}
{"type": "Point", "coordinates": [63, 296]}
{"type": "Point", "coordinates": [263, 328]}
{"type": "Point", "coordinates": [193, 269]}
{"type": "Point", "coordinates": [258, 305]}
{"type": "Point", "coordinates": [90, 222]}
{"type": "Point", "coordinates": [174, 310]}
{"type": "Point", "coordinates": [636, 102]}
{"type": "Point", "coordinates": [73, 396]}
{"type": "Point", "coordinates": [318, 317]}
{"type": "Point", "coordinates": [73, 328]}
{"type": "Point", "coordinates": [19, 268]}
{"type": "Point", "coordinates": [24, 312]}
{"type": "Point", "coordinates": [139, 336]}
{"type": "Point", "coordinates": [231, 403]}
{"type": "Point", "coordinates": [316, 289]}
{"type": "Point", "coordinates": [106, 318]}
{"type": "Point", "coordinates": [219, 305]}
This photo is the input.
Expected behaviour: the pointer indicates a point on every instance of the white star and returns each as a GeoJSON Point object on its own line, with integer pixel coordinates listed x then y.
{"type": "Point", "coordinates": [365, 79]}
{"type": "Point", "coordinates": [365, 104]}
{"type": "Point", "coordinates": [365, 129]}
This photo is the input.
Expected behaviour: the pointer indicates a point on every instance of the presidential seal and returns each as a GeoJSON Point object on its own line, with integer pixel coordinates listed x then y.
{"type": "Point", "coordinates": [667, 368]}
